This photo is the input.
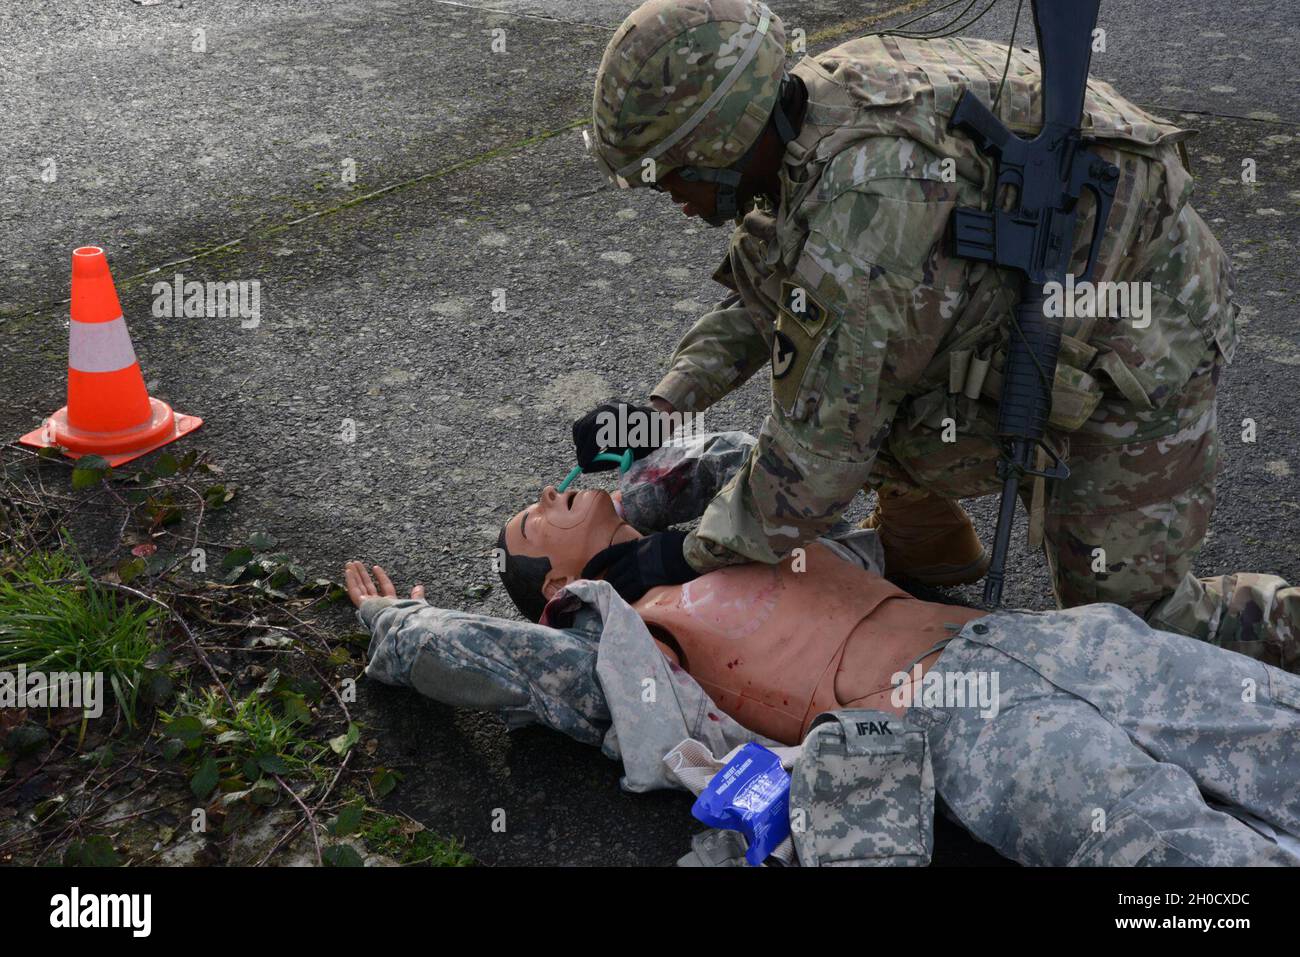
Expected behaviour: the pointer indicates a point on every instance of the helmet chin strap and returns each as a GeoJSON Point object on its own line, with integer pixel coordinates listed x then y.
{"type": "Point", "coordinates": [727, 203]}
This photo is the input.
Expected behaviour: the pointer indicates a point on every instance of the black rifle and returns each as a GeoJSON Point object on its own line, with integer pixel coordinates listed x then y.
{"type": "Point", "coordinates": [1035, 237]}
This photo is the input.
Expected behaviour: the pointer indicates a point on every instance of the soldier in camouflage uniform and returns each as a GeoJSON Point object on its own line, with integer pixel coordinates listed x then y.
{"type": "Point", "coordinates": [884, 348]}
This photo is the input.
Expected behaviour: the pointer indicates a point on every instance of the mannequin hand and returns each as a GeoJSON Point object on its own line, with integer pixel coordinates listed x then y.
{"type": "Point", "coordinates": [587, 431]}
{"type": "Point", "coordinates": [634, 567]}
{"type": "Point", "coordinates": [361, 586]}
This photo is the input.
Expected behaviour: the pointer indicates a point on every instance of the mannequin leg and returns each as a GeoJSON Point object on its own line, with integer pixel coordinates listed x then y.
{"type": "Point", "coordinates": [1052, 780]}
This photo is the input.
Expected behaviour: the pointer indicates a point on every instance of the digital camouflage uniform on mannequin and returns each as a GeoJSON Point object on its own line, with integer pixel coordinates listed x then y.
{"type": "Point", "coordinates": [877, 336]}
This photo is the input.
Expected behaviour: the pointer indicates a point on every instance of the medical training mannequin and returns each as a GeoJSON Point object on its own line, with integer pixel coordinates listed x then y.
{"type": "Point", "coordinates": [773, 645]}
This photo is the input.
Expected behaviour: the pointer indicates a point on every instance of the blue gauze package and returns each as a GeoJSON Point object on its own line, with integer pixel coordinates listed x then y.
{"type": "Point", "coordinates": [751, 794]}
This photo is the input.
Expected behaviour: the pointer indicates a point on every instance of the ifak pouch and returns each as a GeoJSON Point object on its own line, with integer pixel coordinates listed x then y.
{"type": "Point", "coordinates": [751, 794]}
{"type": "Point", "coordinates": [862, 792]}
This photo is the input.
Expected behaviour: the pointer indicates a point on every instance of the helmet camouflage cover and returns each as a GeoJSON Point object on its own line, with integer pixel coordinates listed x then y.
{"type": "Point", "coordinates": [685, 83]}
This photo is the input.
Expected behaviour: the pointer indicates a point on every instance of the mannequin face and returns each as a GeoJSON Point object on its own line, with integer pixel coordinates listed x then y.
{"type": "Point", "coordinates": [568, 529]}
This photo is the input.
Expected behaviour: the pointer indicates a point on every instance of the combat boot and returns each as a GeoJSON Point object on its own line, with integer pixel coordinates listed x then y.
{"type": "Point", "coordinates": [927, 538]}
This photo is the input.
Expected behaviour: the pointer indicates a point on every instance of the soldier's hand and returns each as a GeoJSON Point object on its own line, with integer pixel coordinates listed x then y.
{"type": "Point", "coordinates": [611, 428]}
{"type": "Point", "coordinates": [634, 567]}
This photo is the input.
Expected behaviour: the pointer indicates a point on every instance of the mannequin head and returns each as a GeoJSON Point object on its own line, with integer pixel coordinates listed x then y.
{"type": "Point", "coordinates": [547, 544]}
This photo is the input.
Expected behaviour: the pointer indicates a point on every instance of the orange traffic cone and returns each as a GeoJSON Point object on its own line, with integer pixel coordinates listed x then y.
{"type": "Point", "coordinates": [109, 412]}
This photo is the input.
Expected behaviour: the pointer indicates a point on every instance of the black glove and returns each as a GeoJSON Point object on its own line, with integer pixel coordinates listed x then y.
{"type": "Point", "coordinates": [613, 419]}
{"type": "Point", "coordinates": [634, 567]}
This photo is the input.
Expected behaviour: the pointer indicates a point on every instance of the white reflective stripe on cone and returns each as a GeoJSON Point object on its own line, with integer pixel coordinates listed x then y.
{"type": "Point", "coordinates": [99, 346]}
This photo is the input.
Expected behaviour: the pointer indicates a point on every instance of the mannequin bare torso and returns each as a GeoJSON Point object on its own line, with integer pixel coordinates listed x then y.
{"type": "Point", "coordinates": [774, 647]}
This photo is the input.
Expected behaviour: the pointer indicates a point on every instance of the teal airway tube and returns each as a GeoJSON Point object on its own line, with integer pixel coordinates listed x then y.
{"type": "Point", "coordinates": [624, 462]}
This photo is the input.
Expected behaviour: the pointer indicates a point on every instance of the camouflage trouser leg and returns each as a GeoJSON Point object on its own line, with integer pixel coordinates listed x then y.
{"type": "Point", "coordinates": [1128, 522]}
{"type": "Point", "coordinates": [1085, 764]}
{"type": "Point", "coordinates": [1252, 614]}
{"type": "Point", "coordinates": [917, 457]}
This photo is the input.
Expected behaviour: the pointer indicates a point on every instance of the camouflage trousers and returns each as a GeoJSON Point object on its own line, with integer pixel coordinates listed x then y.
{"type": "Point", "coordinates": [1117, 745]}
{"type": "Point", "coordinates": [1253, 614]}
{"type": "Point", "coordinates": [1126, 525]}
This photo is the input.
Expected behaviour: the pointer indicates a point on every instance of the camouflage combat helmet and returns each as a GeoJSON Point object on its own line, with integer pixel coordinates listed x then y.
{"type": "Point", "coordinates": [688, 85]}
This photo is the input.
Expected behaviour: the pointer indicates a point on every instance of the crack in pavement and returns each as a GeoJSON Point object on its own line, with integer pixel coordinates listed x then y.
{"type": "Point", "coordinates": [320, 213]}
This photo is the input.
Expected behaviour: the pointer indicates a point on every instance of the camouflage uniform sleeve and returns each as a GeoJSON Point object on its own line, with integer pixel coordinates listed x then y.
{"type": "Point", "coordinates": [730, 343]}
{"type": "Point", "coordinates": [719, 354]}
{"type": "Point", "coordinates": [860, 317]}
{"type": "Point", "coordinates": [528, 673]}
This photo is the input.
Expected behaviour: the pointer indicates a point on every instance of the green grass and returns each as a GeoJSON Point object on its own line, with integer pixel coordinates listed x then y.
{"type": "Point", "coordinates": [53, 617]}
{"type": "Point", "coordinates": [392, 836]}
{"type": "Point", "coordinates": [263, 732]}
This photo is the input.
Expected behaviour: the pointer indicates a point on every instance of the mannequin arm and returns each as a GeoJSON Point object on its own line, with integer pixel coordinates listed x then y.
{"type": "Point", "coordinates": [529, 673]}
